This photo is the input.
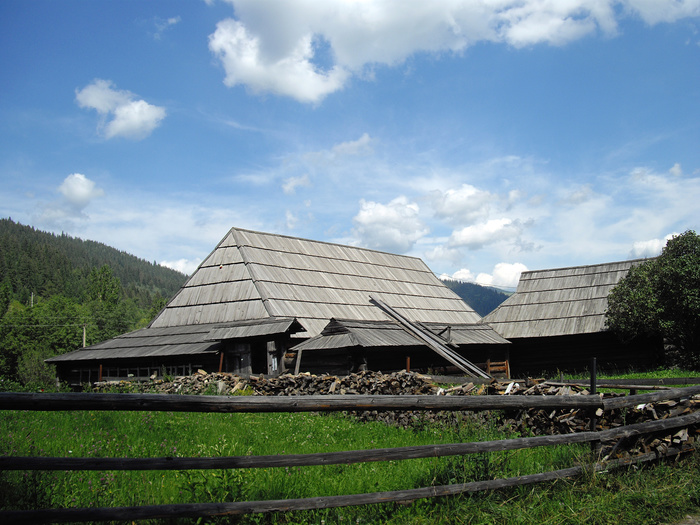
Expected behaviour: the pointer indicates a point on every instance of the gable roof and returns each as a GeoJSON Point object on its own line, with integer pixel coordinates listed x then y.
{"type": "Point", "coordinates": [563, 301]}
{"type": "Point", "coordinates": [254, 275]}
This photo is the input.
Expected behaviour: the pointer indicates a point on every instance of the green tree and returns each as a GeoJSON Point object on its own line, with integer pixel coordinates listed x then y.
{"type": "Point", "coordinates": [662, 297]}
{"type": "Point", "coordinates": [32, 334]}
{"type": "Point", "coordinates": [5, 296]}
{"type": "Point", "coordinates": [103, 286]}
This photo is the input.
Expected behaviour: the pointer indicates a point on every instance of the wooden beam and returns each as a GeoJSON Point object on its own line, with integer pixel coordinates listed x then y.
{"type": "Point", "coordinates": [298, 363]}
{"type": "Point", "coordinates": [651, 397]}
{"type": "Point", "coordinates": [315, 403]}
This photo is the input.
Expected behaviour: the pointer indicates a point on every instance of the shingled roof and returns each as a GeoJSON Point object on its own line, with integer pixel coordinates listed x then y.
{"type": "Point", "coordinates": [343, 333]}
{"type": "Point", "coordinates": [177, 340]}
{"type": "Point", "coordinates": [564, 301]}
{"type": "Point", "coordinates": [253, 275]}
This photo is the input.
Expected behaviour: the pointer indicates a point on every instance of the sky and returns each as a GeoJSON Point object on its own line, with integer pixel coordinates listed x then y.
{"type": "Point", "coordinates": [486, 137]}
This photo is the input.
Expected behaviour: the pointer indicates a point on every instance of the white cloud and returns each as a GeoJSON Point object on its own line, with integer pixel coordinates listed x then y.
{"type": "Point", "coordinates": [292, 183]}
{"type": "Point", "coordinates": [393, 227]}
{"type": "Point", "coordinates": [292, 75]}
{"type": "Point", "coordinates": [135, 120]}
{"type": "Point", "coordinates": [341, 154]}
{"type": "Point", "coordinates": [186, 266]}
{"type": "Point", "coordinates": [479, 235]}
{"type": "Point", "coordinates": [163, 24]}
{"type": "Point", "coordinates": [466, 204]}
{"type": "Point", "coordinates": [77, 193]}
{"type": "Point", "coordinates": [291, 220]}
{"type": "Point", "coordinates": [361, 146]}
{"type": "Point", "coordinates": [309, 49]}
{"type": "Point", "coordinates": [557, 23]}
{"type": "Point", "coordinates": [655, 11]}
{"type": "Point", "coordinates": [121, 114]}
{"type": "Point", "coordinates": [79, 190]}
{"type": "Point", "coordinates": [463, 275]}
{"type": "Point", "coordinates": [650, 248]}
{"type": "Point", "coordinates": [505, 275]}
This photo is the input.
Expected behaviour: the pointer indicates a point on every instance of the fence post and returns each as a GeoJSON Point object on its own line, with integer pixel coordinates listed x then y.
{"type": "Point", "coordinates": [595, 445]}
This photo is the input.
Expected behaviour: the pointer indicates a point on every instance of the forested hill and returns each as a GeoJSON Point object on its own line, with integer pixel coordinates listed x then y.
{"type": "Point", "coordinates": [481, 298]}
{"type": "Point", "coordinates": [45, 264]}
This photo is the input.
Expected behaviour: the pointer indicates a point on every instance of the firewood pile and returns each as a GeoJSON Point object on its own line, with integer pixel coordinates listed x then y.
{"type": "Point", "coordinates": [200, 382]}
{"type": "Point", "coordinates": [365, 383]}
{"type": "Point", "coordinates": [550, 422]}
{"type": "Point", "coordinates": [361, 383]}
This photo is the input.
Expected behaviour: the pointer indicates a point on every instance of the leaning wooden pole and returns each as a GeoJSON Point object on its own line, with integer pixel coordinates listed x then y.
{"type": "Point", "coordinates": [431, 340]}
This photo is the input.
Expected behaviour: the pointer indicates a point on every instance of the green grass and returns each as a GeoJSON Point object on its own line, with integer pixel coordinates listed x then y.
{"type": "Point", "coordinates": [650, 374]}
{"type": "Point", "coordinates": [644, 495]}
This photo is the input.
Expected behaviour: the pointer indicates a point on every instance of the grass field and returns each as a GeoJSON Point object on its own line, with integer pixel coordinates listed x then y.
{"type": "Point", "coordinates": [644, 495]}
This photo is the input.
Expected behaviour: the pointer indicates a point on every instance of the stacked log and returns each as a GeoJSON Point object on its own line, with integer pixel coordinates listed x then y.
{"type": "Point", "coordinates": [200, 382]}
{"type": "Point", "coordinates": [550, 422]}
{"type": "Point", "coordinates": [361, 383]}
{"type": "Point", "coordinates": [366, 382]}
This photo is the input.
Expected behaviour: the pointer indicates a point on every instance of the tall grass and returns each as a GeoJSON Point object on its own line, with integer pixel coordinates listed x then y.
{"type": "Point", "coordinates": [662, 373]}
{"type": "Point", "coordinates": [637, 495]}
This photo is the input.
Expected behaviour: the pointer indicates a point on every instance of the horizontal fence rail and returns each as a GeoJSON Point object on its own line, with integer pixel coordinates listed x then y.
{"type": "Point", "coordinates": [326, 403]}
{"type": "Point", "coordinates": [319, 403]}
{"type": "Point", "coordinates": [314, 403]}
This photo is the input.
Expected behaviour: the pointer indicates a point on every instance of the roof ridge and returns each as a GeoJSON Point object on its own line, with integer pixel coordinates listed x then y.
{"type": "Point", "coordinates": [362, 248]}
{"type": "Point", "coordinates": [630, 261]}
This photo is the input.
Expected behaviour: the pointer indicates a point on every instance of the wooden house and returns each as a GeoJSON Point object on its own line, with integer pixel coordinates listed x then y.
{"type": "Point", "coordinates": [258, 295]}
{"type": "Point", "coordinates": [556, 322]}
{"type": "Point", "coordinates": [385, 345]}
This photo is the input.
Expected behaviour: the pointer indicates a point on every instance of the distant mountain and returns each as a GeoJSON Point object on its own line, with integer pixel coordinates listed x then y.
{"type": "Point", "coordinates": [46, 264]}
{"type": "Point", "coordinates": [482, 299]}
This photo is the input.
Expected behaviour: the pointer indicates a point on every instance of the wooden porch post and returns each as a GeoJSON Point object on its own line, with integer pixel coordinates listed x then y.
{"type": "Point", "coordinates": [272, 359]}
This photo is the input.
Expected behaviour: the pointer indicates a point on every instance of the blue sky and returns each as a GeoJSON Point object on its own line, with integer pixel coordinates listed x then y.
{"type": "Point", "coordinates": [485, 137]}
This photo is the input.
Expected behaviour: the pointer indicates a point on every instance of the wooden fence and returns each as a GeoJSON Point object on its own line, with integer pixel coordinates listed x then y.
{"type": "Point", "coordinates": [231, 404]}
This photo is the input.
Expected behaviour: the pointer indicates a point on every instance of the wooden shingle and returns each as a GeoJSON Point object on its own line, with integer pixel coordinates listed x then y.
{"type": "Point", "coordinates": [557, 302]}
{"type": "Point", "coordinates": [253, 275]}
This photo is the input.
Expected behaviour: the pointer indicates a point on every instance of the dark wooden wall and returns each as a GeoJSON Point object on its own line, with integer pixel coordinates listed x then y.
{"type": "Point", "coordinates": [549, 355]}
